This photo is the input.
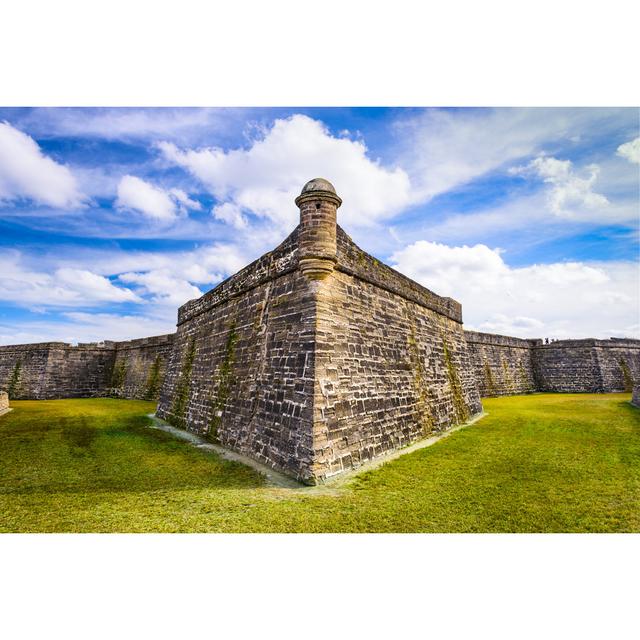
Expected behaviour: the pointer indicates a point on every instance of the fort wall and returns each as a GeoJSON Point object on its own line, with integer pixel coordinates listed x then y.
{"type": "Point", "coordinates": [506, 366]}
{"type": "Point", "coordinates": [391, 363]}
{"type": "Point", "coordinates": [317, 357]}
{"type": "Point", "coordinates": [242, 368]}
{"type": "Point", "coordinates": [501, 365]}
{"type": "Point", "coordinates": [58, 370]}
{"type": "Point", "coordinates": [139, 367]}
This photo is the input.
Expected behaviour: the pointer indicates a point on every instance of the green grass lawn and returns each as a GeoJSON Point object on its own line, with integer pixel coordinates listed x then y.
{"type": "Point", "coordinates": [546, 462]}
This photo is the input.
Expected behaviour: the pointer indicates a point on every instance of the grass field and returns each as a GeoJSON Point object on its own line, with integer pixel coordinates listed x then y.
{"type": "Point", "coordinates": [535, 463]}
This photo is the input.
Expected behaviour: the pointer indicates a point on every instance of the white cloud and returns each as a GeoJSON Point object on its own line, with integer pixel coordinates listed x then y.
{"type": "Point", "coordinates": [266, 177]}
{"type": "Point", "coordinates": [570, 195]}
{"type": "Point", "coordinates": [153, 202]}
{"type": "Point", "coordinates": [25, 172]}
{"type": "Point", "coordinates": [630, 150]}
{"type": "Point", "coordinates": [62, 287]}
{"type": "Point", "coordinates": [567, 299]}
{"type": "Point", "coordinates": [163, 287]}
{"type": "Point", "coordinates": [231, 214]}
{"type": "Point", "coordinates": [77, 326]}
{"type": "Point", "coordinates": [203, 265]}
{"type": "Point", "coordinates": [444, 149]}
{"type": "Point", "coordinates": [167, 278]}
{"type": "Point", "coordinates": [123, 123]}
{"type": "Point", "coordinates": [183, 199]}
{"type": "Point", "coordinates": [158, 282]}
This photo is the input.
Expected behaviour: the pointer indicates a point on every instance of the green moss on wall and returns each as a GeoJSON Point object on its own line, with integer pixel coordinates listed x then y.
{"type": "Point", "coordinates": [223, 383]}
{"type": "Point", "coordinates": [626, 375]}
{"type": "Point", "coordinates": [118, 376]}
{"type": "Point", "coordinates": [153, 380]}
{"type": "Point", "coordinates": [523, 379]}
{"type": "Point", "coordinates": [459, 405]}
{"type": "Point", "coordinates": [506, 375]}
{"type": "Point", "coordinates": [183, 387]}
{"type": "Point", "coordinates": [419, 382]}
{"type": "Point", "coordinates": [14, 380]}
{"type": "Point", "coordinates": [489, 382]}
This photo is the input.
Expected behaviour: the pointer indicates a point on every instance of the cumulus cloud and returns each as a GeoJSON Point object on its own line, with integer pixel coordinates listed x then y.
{"type": "Point", "coordinates": [565, 299]}
{"type": "Point", "coordinates": [203, 265]}
{"type": "Point", "coordinates": [442, 149]}
{"type": "Point", "coordinates": [78, 326]}
{"type": "Point", "coordinates": [62, 287]}
{"type": "Point", "coordinates": [92, 278]}
{"type": "Point", "coordinates": [157, 282]}
{"type": "Point", "coordinates": [153, 202]}
{"type": "Point", "coordinates": [162, 286]}
{"type": "Point", "coordinates": [630, 151]}
{"type": "Point", "coordinates": [128, 123]}
{"type": "Point", "coordinates": [231, 214]}
{"type": "Point", "coordinates": [570, 195]}
{"type": "Point", "coordinates": [266, 177]}
{"type": "Point", "coordinates": [27, 173]}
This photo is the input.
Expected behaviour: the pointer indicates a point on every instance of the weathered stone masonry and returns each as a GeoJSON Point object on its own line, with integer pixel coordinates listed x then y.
{"type": "Point", "coordinates": [501, 365]}
{"type": "Point", "coordinates": [317, 357]}
{"type": "Point", "coordinates": [58, 370]}
{"type": "Point", "coordinates": [505, 365]}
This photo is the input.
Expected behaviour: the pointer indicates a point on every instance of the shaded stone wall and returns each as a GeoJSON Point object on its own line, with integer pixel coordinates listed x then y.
{"type": "Point", "coordinates": [635, 397]}
{"type": "Point", "coordinates": [23, 369]}
{"type": "Point", "coordinates": [501, 365]}
{"type": "Point", "coordinates": [82, 371]}
{"type": "Point", "coordinates": [140, 366]}
{"type": "Point", "coordinates": [241, 371]}
{"type": "Point", "coordinates": [504, 365]}
{"type": "Point", "coordinates": [588, 365]}
{"type": "Point", "coordinates": [59, 370]}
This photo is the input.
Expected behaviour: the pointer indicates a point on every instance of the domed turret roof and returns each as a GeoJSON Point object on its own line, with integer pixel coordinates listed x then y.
{"type": "Point", "coordinates": [318, 184]}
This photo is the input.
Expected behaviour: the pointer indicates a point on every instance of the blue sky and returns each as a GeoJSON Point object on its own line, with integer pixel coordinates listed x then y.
{"type": "Point", "coordinates": [111, 218]}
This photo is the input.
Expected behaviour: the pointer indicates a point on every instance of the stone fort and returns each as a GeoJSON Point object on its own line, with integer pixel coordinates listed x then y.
{"type": "Point", "coordinates": [317, 357]}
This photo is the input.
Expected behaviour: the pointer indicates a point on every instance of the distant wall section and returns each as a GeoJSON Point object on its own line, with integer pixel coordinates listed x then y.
{"type": "Point", "coordinates": [501, 365]}
{"type": "Point", "coordinates": [58, 370]}
{"type": "Point", "coordinates": [140, 367]}
{"type": "Point", "coordinates": [504, 365]}
{"type": "Point", "coordinates": [594, 366]}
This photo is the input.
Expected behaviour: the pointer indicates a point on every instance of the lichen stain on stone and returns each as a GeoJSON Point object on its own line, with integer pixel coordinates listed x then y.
{"type": "Point", "coordinates": [460, 406]}
{"type": "Point", "coordinates": [118, 376]}
{"type": "Point", "coordinates": [223, 383]}
{"type": "Point", "coordinates": [183, 388]}
{"type": "Point", "coordinates": [488, 379]}
{"type": "Point", "coordinates": [626, 375]}
{"type": "Point", "coordinates": [14, 381]}
{"type": "Point", "coordinates": [152, 386]}
{"type": "Point", "coordinates": [419, 381]}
